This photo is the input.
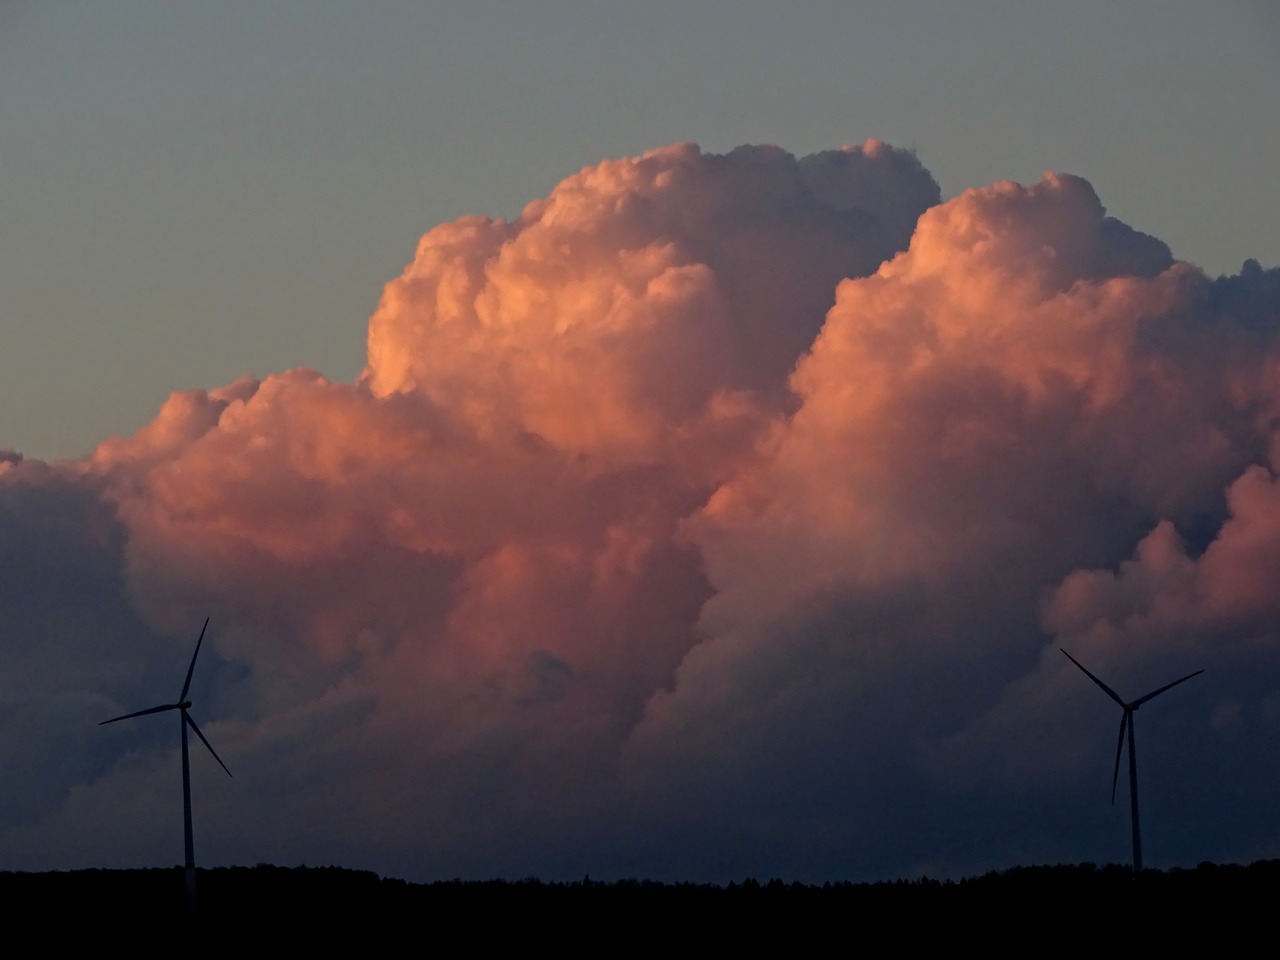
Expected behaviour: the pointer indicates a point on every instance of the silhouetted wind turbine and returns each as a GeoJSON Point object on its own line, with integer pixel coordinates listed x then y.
{"type": "Point", "coordinates": [1126, 723]}
{"type": "Point", "coordinates": [182, 706]}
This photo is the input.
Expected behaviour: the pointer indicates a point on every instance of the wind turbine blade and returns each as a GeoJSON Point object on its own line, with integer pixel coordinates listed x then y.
{"type": "Point", "coordinates": [1110, 693]}
{"type": "Point", "coordinates": [1155, 693]}
{"type": "Point", "coordinates": [192, 669]}
{"type": "Point", "coordinates": [143, 713]}
{"type": "Point", "coordinates": [1115, 777]}
{"type": "Point", "coordinates": [187, 716]}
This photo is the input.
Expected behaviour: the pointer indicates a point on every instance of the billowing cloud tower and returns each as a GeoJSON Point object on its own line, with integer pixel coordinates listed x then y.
{"type": "Point", "coordinates": [718, 515]}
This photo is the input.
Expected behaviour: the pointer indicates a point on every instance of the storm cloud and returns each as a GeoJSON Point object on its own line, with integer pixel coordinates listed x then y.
{"type": "Point", "coordinates": [719, 515]}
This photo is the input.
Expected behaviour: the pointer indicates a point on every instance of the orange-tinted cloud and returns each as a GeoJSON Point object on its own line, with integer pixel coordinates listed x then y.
{"type": "Point", "coordinates": [714, 516]}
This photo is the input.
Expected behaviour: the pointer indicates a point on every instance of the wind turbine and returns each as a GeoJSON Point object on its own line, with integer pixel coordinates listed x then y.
{"type": "Point", "coordinates": [182, 706]}
{"type": "Point", "coordinates": [1126, 724]}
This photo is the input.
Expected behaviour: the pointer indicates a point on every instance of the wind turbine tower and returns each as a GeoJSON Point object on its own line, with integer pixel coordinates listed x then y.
{"type": "Point", "coordinates": [1126, 728]}
{"type": "Point", "coordinates": [182, 706]}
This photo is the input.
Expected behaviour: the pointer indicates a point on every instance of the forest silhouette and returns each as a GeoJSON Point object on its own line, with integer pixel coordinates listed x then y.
{"type": "Point", "coordinates": [335, 897]}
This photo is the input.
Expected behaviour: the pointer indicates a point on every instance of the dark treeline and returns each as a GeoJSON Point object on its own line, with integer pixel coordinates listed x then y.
{"type": "Point", "coordinates": [335, 896]}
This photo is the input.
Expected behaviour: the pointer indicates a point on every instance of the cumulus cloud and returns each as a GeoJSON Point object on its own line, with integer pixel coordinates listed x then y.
{"type": "Point", "coordinates": [720, 514]}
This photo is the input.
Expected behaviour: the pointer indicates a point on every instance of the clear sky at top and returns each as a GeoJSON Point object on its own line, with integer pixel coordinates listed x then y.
{"type": "Point", "coordinates": [195, 191]}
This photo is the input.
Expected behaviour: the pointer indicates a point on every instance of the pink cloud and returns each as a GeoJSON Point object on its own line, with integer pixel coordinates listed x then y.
{"type": "Point", "coordinates": [718, 511]}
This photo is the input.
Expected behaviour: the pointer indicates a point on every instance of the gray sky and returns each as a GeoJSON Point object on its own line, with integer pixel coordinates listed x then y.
{"type": "Point", "coordinates": [195, 191]}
